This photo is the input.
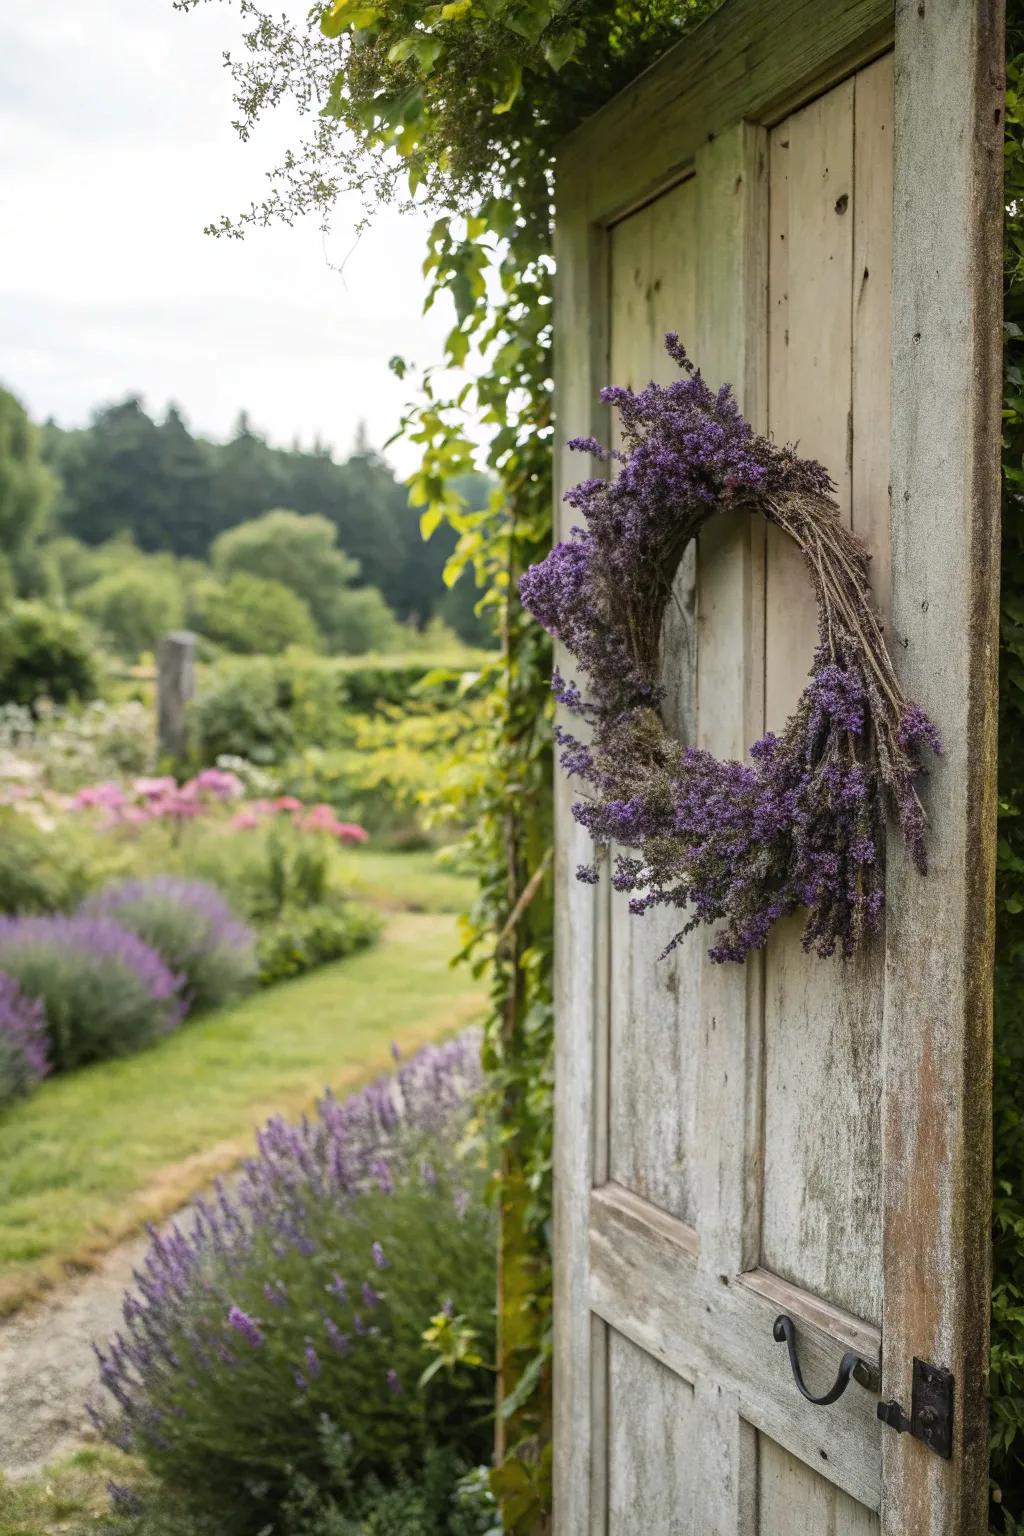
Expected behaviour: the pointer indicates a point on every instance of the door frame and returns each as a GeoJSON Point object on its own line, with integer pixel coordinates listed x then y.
{"type": "Point", "coordinates": [753, 63]}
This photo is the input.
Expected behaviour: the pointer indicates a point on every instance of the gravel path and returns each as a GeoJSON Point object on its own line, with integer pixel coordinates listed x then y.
{"type": "Point", "coordinates": [47, 1367]}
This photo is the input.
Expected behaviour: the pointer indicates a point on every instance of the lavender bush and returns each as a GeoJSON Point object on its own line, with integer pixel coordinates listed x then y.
{"type": "Point", "coordinates": [803, 823]}
{"type": "Point", "coordinates": [24, 1059]}
{"type": "Point", "coordinates": [104, 991]}
{"type": "Point", "coordinates": [191, 926]}
{"type": "Point", "coordinates": [290, 1315]}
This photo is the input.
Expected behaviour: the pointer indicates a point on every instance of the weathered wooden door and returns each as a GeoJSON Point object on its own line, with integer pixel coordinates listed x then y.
{"type": "Point", "coordinates": [808, 192]}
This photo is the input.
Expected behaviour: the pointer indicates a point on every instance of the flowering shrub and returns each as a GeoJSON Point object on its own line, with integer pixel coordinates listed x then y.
{"type": "Point", "coordinates": [105, 992]}
{"type": "Point", "coordinates": [291, 1315]}
{"type": "Point", "coordinates": [38, 872]}
{"type": "Point", "coordinates": [191, 926]}
{"type": "Point", "coordinates": [160, 798]}
{"type": "Point", "coordinates": [803, 825]}
{"type": "Point", "coordinates": [62, 748]}
{"type": "Point", "coordinates": [302, 939]}
{"type": "Point", "coordinates": [23, 1054]}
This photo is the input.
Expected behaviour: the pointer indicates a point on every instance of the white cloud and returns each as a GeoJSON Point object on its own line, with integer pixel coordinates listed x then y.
{"type": "Point", "coordinates": [116, 148]}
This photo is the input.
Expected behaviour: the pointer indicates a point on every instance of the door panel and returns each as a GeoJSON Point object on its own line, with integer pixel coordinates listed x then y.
{"type": "Point", "coordinates": [724, 1134]}
{"type": "Point", "coordinates": [651, 1437]}
{"type": "Point", "coordinates": [823, 1019]}
{"type": "Point", "coordinates": [795, 1500]}
{"type": "Point", "coordinates": [655, 1012]}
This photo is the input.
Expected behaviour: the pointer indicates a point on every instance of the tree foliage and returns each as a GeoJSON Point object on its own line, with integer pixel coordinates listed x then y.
{"type": "Point", "coordinates": [303, 554]}
{"type": "Point", "coordinates": [27, 493]}
{"type": "Point", "coordinates": [129, 476]}
{"type": "Point", "coordinates": [252, 615]}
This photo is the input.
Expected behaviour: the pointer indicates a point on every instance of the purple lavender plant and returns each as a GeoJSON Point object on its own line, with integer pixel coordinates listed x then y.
{"type": "Point", "coordinates": [24, 1059]}
{"type": "Point", "coordinates": [190, 924]}
{"type": "Point", "coordinates": [802, 825]}
{"type": "Point", "coordinates": [104, 992]}
{"type": "Point", "coordinates": [300, 1298]}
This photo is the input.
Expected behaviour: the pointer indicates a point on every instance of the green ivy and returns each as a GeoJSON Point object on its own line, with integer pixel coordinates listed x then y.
{"type": "Point", "coordinates": [461, 105]}
{"type": "Point", "coordinates": [1008, 1212]}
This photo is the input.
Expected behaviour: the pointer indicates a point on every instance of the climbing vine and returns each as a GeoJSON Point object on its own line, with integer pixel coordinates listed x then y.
{"type": "Point", "coordinates": [460, 106]}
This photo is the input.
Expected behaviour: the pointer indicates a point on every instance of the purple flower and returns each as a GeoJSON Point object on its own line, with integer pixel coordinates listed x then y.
{"type": "Point", "coordinates": [185, 1304]}
{"type": "Point", "coordinates": [191, 924]}
{"type": "Point", "coordinates": [24, 1054]}
{"type": "Point", "coordinates": [340, 1342]}
{"type": "Point", "coordinates": [394, 1385]}
{"type": "Point", "coordinates": [104, 990]}
{"type": "Point", "coordinates": [803, 823]}
{"type": "Point", "coordinates": [242, 1323]}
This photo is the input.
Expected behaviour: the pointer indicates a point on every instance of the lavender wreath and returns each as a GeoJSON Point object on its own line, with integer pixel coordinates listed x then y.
{"type": "Point", "coordinates": [803, 823]}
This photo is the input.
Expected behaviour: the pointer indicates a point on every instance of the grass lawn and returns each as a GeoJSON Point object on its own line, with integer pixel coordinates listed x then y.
{"type": "Point", "coordinates": [70, 1496]}
{"type": "Point", "coordinates": [92, 1156]}
{"type": "Point", "coordinates": [415, 881]}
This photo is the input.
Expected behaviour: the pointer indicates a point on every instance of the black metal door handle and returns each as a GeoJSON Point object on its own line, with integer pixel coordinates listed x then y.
{"type": "Point", "coordinates": [851, 1364]}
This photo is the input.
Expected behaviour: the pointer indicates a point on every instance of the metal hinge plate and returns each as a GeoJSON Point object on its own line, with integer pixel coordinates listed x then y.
{"type": "Point", "coordinates": [931, 1409]}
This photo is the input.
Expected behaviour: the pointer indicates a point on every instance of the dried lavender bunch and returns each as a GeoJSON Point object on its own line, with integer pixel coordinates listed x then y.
{"type": "Point", "coordinates": [803, 823]}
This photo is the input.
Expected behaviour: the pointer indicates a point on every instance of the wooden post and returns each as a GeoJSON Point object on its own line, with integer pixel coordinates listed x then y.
{"type": "Point", "coordinates": [175, 687]}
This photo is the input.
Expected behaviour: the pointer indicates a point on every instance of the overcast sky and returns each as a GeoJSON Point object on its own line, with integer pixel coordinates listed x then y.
{"type": "Point", "coordinates": [116, 147]}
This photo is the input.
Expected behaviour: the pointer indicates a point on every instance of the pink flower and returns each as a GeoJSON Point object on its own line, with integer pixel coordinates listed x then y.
{"type": "Point", "coordinates": [109, 796]}
{"type": "Point", "coordinates": [150, 789]}
{"type": "Point", "coordinates": [218, 782]}
{"type": "Point", "coordinates": [179, 802]}
{"type": "Point", "coordinates": [349, 832]}
{"type": "Point", "coordinates": [320, 816]}
{"type": "Point", "coordinates": [262, 807]}
{"type": "Point", "coordinates": [244, 820]}
{"type": "Point", "coordinates": [287, 803]}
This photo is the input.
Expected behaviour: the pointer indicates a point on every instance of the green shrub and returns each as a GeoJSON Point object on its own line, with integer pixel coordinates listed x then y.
{"type": "Point", "coordinates": [38, 872]}
{"type": "Point", "coordinates": [302, 939]}
{"type": "Point", "coordinates": [437, 1502]}
{"type": "Point", "coordinates": [240, 713]}
{"type": "Point", "coordinates": [264, 709]}
{"type": "Point", "coordinates": [325, 1333]}
{"type": "Point", "coordinates": [134, 607]}
{"type": "Point", "coordinates": [104, 991]}
{"type": "Point", "coordinates": [253, 615]}
{"type": "Point", "coordinates": [191, 927]}
{"type": "Point", "coordinates": [44, 653]}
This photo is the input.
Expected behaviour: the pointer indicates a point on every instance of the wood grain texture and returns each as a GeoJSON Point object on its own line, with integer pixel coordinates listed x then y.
{"type": "Point", "coordinates": [580, 1151]}
{"type": "Point", "coordinates": [821, 1216]}
{"type": "Point", "coordinates": [647, 1283]}
{"type": "Point", "coordinates": [655, 1004]}
{"type": "Point", "coordinates": [732, 265]}
{"type": "Point", "coordinates": [945, 528]}
{"type": "Point", "coordinates": [652, 1468]}
{"type": "Point", "coordinates": [753, 60]}
{"type": "Point", "coordinates": [795, 1500]}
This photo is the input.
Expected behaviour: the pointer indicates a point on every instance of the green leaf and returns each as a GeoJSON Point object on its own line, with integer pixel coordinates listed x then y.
{"type": "Point", "coordinates": [512, 88]}
{"type": "Point", "coordinates": [559, 50]}
{"type": "Point", "coordinates": [344, 15]}
{"type": "Point", "coordinates": [457, 347]}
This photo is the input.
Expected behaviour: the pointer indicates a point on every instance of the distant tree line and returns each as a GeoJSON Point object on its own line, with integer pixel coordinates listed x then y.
{"type": "Point", "coordinates": [153, 482]}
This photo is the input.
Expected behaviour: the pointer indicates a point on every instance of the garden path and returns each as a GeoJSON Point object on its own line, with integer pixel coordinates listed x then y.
{"type": "Point", "coordinates": [47, 1367]}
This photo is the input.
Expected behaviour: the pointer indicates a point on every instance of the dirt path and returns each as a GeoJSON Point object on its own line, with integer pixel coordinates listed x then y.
{"type": "Point", "coordinates": [47, 1367]}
